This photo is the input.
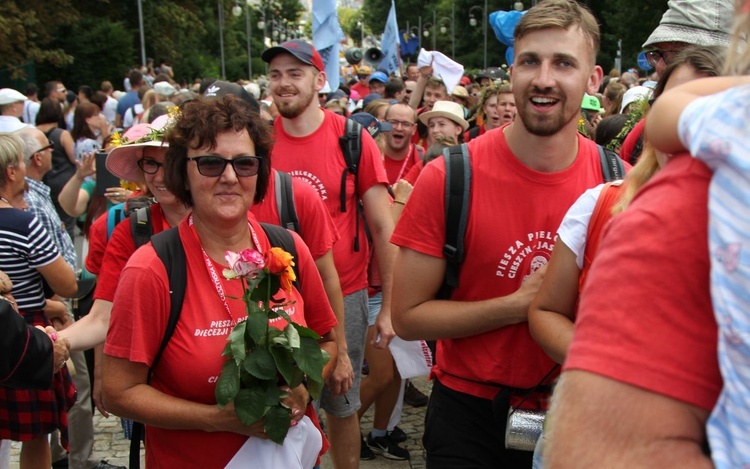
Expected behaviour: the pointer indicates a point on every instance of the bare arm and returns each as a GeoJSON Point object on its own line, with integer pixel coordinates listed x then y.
{"type": "Point", "coordinates": [343, 376]}
{"type": "Point", "coordinates": [416, 96]}
{"type": "Point", "coordinates": [552, 312]}
{"type": "Point", "coordinates": [126, 394]}
{"type": "Point", "coordinates": [380, 221]}
{"type": "Point", "coordinates": [90, 330]}
{"type": "Point", "coordinates": [72, 198]}
{"type": "Point", "coordinates": [401, 193]}
{"type": "Point", "coordinates": [661, 125]}
{"type": "Point", "coordinates": [60, 277]}
{"type": "Point", "coordinates": [418, 315]}
{"type": "Point", "coordinates": [69, 145]}
{"type": "Point", "coordinates": [600, 422]}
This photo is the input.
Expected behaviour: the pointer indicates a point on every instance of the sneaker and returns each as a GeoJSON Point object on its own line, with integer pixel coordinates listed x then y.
{"type": "Point", "coordinates": [387, 448]}
{"type": "Point", "coordinates": [397, 435]}
{"type": "Point", "coordinates": [365, 453]}
{"type": "Point", "coordinates": [413, 396]}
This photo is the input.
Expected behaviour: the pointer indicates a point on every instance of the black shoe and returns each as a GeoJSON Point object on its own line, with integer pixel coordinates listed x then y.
{"type": "Point", "coordinates": [397, 435]}
{"type": "Point", "coordinates": [103, 464]}
{"type": "Point", "coordinates": [387, 448]}
{"type": "Point", "coordinates": [365, 453]}
{"type": "Point", "coordinates": [413, 396]}
{"type": "Point", "coordinates": [60, 463]}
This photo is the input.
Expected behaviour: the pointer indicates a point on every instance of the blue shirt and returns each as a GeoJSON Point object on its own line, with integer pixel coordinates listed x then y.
{"type": "Point", "coordinates": [126, 102]}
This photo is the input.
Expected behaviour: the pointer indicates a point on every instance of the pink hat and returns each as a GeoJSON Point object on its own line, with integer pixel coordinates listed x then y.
{"type": "Point", "coordinates": [353, 95]}
{"type": "Point", "coordinates": [122, 161]}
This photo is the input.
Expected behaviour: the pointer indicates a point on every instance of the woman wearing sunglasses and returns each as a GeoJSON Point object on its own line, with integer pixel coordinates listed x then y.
{"type": "Point", "coordinates": [217, 164]}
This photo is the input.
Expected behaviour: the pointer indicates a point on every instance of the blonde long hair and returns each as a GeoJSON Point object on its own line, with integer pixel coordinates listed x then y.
{"type": "Point", "coordinates": [738, 54]}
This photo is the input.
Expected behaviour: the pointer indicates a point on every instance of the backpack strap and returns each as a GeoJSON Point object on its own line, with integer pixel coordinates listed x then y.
{"type": "Point", "coordinates": [168, 247]}
{"type": "Point", "coordinates": [115, 215]}
{"type": "Point", "coordinates": [457, 192]}
{"type": "Point", "coordinates": [601, 215]}
{"type": "Point", "coordinates": [141, 227]}
{"type": "Point", "coordinates": [420, 152]}
{"type": "Point", "coordinates": [351, 147]}
{"type": "Point", "coordinates": [474, 132]}
{"type": "Point", "coordinates": [612, 167]}
{"type": "Point", "coordinates": [280, 237]}
{"type": "Point", "coordinates": [285, 201]}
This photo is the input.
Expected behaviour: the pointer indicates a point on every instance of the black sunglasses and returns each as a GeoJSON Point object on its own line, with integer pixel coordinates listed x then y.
{"type": "Point", "coordinates": [45, 148]}
{"type": "Point", "coordinates": [149, 166]}
{"type": "Point", "coordinates": [214, 166]}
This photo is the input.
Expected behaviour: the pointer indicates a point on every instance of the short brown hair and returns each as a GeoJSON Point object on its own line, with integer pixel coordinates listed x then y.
{"type": "Point", "coordinates": [563, 14]}
{"type": "Point", "coordinates": [197, 126]}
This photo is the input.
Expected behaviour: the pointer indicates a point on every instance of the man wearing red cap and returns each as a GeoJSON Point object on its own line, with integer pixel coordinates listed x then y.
{"type": "Point", "coordinates": [307, 146]}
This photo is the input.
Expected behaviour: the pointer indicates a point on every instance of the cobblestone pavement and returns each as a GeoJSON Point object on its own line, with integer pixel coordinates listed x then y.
{"type": "Point", "coordinates": [110, 443]}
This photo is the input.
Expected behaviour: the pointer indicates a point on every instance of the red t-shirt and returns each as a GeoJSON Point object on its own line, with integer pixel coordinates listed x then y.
{"type": "Point", "coordinates": [513, 217]}
{"type": "Point", "coordinates": [97, 244]}
{"type": "Point", "coordinates": [192, 361]}
{"type": "Point", "coordinates": [628, 146]}
{"type": "Point", "coordinates": [413, 173]}
{"type": "Point", "coordinates": [317, 160]}
{"type": "Point", "coordinates": [398, 169]}
{"type": "Point", "coordinates": [119, 249]}
{"type": "Point", "coordinates": [316, 226]}
{"type": "Point", "coordinates": [362, 90]}
{"type": "Point", "coordinates": [656, 331]}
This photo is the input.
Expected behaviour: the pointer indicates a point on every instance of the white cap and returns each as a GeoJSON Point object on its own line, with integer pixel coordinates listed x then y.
{"type": "Point", "coordinates": [9, 96]}
{"type": "Point", "coordinates": [164, 88]}
{"type": "Point", "coordinates": [636, 93]}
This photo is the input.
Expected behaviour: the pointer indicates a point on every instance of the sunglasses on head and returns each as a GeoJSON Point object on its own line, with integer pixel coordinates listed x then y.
{"type": "Point", "coordinates": [214, 166]}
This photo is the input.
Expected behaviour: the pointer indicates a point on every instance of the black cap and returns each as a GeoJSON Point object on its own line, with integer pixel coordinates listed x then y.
{"type": "Point", "coordinates": [220, 89]}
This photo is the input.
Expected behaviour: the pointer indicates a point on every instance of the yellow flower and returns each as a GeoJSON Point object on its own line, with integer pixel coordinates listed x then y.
{"type": "Point", "coordinates": [116, 140]}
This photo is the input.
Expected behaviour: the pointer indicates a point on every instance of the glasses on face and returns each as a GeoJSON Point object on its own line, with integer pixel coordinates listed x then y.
{"type": "Point", "coordinates": [50, 146]}
{"type": "Point", "coordinates": [402, 124]}
{"type": "Point", "coordinates": [363, 77]}
{"type": "Point", "coordinates": [653, 56]}
{"type": "Point", "coordinates": [149, 165]}
{"type": "Point", "coordinates": [214, 166]}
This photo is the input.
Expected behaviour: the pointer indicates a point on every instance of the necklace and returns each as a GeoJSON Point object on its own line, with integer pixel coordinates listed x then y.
{"type": "Point", "coordinates": [3, 199]}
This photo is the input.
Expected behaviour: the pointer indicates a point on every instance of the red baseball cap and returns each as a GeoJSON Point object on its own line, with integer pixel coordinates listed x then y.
{"type": "Point", "coordinates": [303, 51]}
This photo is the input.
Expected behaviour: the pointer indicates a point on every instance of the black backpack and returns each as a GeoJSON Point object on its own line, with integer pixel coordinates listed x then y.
{"type": "Point", "coordinates": [351, 147]}
{"type": "Point", "coordinates": [457, 189]}
{"type": "Point", "coordinates": [169, 249]}
{"type": "Point", "coordinates": [285, 202]}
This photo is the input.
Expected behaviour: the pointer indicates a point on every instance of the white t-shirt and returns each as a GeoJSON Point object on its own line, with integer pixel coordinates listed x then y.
{"type": "Point", "coordinates": [575, 225]}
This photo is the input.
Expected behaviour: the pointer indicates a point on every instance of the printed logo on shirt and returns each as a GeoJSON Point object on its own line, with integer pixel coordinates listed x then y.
{"type": "Point", "coordinates": [526, 255]}
{"type": "Point", "coordinates": [313, 180]}
{"type": "Point", "coordinates": [224, 328]}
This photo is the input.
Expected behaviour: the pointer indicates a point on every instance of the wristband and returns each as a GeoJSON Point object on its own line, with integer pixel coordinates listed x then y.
{"type": "Point", "coordinates": [399, 202]}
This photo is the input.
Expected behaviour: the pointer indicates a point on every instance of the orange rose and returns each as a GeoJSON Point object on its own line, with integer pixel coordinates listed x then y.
{"type": "Point", "coordinates": [278, 261]}
{"type": "Point", "coordinates": [287, 278]}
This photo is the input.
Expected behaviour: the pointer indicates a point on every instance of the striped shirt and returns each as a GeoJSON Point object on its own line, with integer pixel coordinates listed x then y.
{"type": "Point", "coordinates": [25, 246]}
{"type": "Point", "coordinates": [40, 205]}
{"type": "Point", "coordinates": [714, 129]}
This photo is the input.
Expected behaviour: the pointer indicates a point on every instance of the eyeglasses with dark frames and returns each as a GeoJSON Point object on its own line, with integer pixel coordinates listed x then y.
{"type": "Point", "coordinates": [404, 125]}
{"type": "Point", "coordinates": [149, 165]}
{"type": "Point", "coordinates": [653, 56]}
{"type": "Point", "coordinates": [50, 146]}
{"type": "Point", "coordinates": [214, 166]}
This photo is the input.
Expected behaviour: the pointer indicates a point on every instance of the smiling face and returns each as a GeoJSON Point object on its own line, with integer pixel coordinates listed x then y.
{"type": "Point", "coordinates": [443, 127]}
{"type": "Point", "coordinates": [433, 94]}
{"type": "Point", "coordinates": [294, 85]}
{"type": "Point", "coordinates": [155, 182]}
{"type": "Point", "coordinates": [402, 118]}
{"type": "Point", "coordinates": [227, 198]}
{"type": "Point", "coordinates": [552, 70]}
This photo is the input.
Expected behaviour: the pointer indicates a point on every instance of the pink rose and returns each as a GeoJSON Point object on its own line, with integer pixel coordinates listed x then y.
{"type": "Point", "coordinates": [244, 264]}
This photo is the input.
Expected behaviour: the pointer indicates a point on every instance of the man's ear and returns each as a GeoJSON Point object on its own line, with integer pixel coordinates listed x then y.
{"type": "Point", "coordinates": [320, 81]}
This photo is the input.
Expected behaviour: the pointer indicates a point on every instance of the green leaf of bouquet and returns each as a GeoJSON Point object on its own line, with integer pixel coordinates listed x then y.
{"type": "Point", "coordinates": [256, 325]}
{"type": "Point", "coordinates": [314, 387]}
{"type": "Point", "coordinates": [305, 331]}
{"type": "Point", "coordinates": [297, 378]}
{"type": "Point", "coordinates": [273, 393]}
{"type": "Point", "coordinates": [281, 340]}
{"type": "Point", "coordinates": [292, 335]}
{"type": "Point", "coordinates": [249, 405]}
{"type": "Point", "coordinates": [228, 384]}
{"type": "Point", "coordinates": [284, 362]}
{"type": "Point", "coordinates": [260, 363]}
{"type": "Point", "coordinates": [277, 423]}
{"type": "Point", "coordinates": [309, 358]}
{"type": "Point", "coordinates": [237, 341]}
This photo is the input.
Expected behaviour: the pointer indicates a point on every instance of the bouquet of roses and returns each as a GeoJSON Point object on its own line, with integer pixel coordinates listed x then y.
{"type": "Point", "coordinates": [262, 358]}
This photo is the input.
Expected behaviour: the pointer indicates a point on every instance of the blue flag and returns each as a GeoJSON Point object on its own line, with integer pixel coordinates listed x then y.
{"type": "Point", "coordinates": [389, 43]}
{"type": "Point", "coordinates": [504, 24]}
{"type": "Point", "coordinates": [326, 36]}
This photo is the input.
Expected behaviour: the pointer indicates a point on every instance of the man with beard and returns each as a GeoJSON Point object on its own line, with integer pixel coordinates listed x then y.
{"type": "Point", "coordinates": [524, 177]}
{"type": "Point", "coordinates": [497, 107]}
{"type": "Point", "coordinates": [400, 154]}
{"type": "Point", "coordinates": [307, 146]}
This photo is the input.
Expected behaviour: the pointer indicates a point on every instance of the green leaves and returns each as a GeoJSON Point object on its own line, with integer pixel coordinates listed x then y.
{"type": "Point", "coordinates": [277, 423]}
{"type": "Point", "coordinates": [228, 384]}
{"type": "Point", "coordinates": [250, 405]}
{"type": "Point", "coordinates": [260, 363]}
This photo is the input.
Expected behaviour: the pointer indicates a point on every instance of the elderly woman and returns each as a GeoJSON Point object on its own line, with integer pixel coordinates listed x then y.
{"type": "Point", "coordinates": [218, 164]}
{"type": "Point", "coordinates": [29, 256]}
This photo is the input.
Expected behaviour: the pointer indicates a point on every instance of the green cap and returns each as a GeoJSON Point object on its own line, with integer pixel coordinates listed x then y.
{"type": "Point", "coordinates": [590, 103]}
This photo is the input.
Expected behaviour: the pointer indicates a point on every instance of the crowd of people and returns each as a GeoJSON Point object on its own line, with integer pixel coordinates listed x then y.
{"type": "Point", "coordinates": [489, 223]}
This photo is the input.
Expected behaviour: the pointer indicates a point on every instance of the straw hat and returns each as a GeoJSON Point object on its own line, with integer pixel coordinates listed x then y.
{"type": "Point", "coordinates": [447, 109]}
{"type": "Point", "coordinates": [122, 161]}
